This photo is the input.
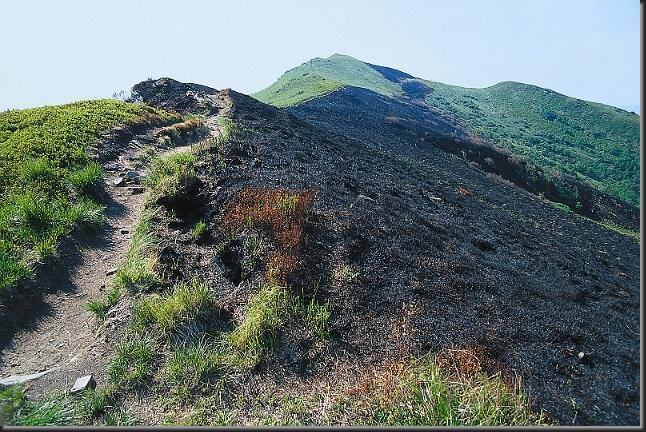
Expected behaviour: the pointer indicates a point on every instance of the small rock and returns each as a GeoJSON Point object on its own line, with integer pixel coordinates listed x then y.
{"type": "Point", "coordinates": [135, 190]}
{"type": "Point", "coordinates": [124, 231]}
{"type": "Point", "coordinates": [111, 271]}
{"type": "Point", "coordinates": [132, 175]}
{"type": "Point", "coordinates": [119, 181]}
{"type": "Point", "coordinates": [18, 379]}
{"type": "Point", "coordinates": [586, 359]}
{"type": "Point", "coordinates": [83, 383]}
{"type": "Point", "coordinates": [111, 166]}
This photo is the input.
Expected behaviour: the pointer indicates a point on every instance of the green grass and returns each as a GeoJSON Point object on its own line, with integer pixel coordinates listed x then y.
{"type": "Point", "coordinates": [257, 332]}
{"type": "Point", "coordinates": [595, 143]}
{"type": "Point", "coordinates": [634, 235]}
{"type": "Point", "coordinates": [101, 307]}
{"type": "Point", "coordinates": [48, 178]}
{"type": "Point", "coordinates": [137, 273]}
{"type": "Point", "coordinates": [426, 395]}
{"type": "Point", "coordinates": [316, 317]}
{"type": "Point", "coordinates": [132, 363]}
{"type": "Point", "coordinates": [184, 302]}
{"type": "Point", "coordinates": [192, 367]}
{"type": "Point", "coordinates": [16, 409]}
{"type": "Point", "coordinates": [199, 231]}
{"type": "Point", "coordinates": [267, 310]}
{"type": "Point", "coordinates": [561, 207]}
{"type": "Point", "coordinates": [322, 76]}
{"type": "Point", "coordinates": [169, 174]}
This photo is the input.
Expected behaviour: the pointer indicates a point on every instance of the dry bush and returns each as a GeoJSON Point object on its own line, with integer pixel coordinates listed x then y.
{"type": "Point", "coordinates": [181, 129]}
{"type": "Point", "coordinates": [464, 191]}
{"type": "Point", "coordinates": [281, 213]}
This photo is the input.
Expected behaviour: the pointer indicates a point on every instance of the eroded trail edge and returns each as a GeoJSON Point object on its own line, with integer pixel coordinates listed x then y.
{"type": "Point", "coordinates": [54, 332]}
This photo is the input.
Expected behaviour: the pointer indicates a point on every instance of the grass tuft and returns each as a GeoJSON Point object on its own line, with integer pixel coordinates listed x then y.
{"type": "Point", "coordinates": [184, 302]}
{"type": "Point", "coordinates": [132, 363]}
{"type": "Point", "coordinates": [346, 274]}
{"type": "Point", "coordinates": [257, 332]}
{"type": "Point", "coordinates": [266, 311]}
{"type": "Point", "coordinates": [101, 307]}
{"type": "Point", "coordinates": [424, 394]}
{"type": "Point", "coordinates": [199, 231]}
{"type": "Point", "coordinates": [137, 273]}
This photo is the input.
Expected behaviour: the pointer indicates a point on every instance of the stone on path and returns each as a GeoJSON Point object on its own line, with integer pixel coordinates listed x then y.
{"type": "Point", "coordinates": [83, 383]}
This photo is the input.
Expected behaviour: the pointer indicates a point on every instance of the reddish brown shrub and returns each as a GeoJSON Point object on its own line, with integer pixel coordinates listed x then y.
{"type": "Point", "coordinates": [281, 213]}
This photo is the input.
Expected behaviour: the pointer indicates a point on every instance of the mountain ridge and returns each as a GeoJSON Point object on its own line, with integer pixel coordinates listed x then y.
{"type": "Point", "coordinates": [596, 144]}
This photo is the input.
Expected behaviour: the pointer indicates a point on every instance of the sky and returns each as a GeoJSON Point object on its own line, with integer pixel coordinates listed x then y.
{"type": "Point", "coordinates": [60, 51]}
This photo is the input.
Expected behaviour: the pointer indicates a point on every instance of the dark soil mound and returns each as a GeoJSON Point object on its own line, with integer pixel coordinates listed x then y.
{"type": "Point", "coordinates": [445, 256]}
{"type": "Point", "coordinates": [173, 95]}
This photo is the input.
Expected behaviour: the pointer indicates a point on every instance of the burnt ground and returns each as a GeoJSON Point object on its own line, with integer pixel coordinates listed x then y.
{"type": "Point", "coordinates": [449, 257]}
{"type": "Point", "coordinates": [406, 124]}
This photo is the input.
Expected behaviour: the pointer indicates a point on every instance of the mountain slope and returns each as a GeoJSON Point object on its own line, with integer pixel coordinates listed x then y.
{"type": "Point", "coordinates": [415, 253]}
{"type": "Point", "coordinates": [593, 143]}
{"type": "Point", "coordinates": [322, 266]}
{"type": "Point", "coordinates": [48, 180]}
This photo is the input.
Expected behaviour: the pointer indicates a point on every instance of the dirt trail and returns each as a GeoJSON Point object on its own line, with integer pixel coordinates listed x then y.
{"type": "Point", "coordinates": [53, 331]}
{"type": "Point", "coordinates": [65, 340]}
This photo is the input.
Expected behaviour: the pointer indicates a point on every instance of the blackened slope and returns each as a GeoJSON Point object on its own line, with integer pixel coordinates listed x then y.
{"type": "Point", "coordinates": [361, 113]}
{"type": "Point", "coordinates": [391, 74]}
{"type": "Point", "coordinates": [458, 259]}
{"type": "Point", "coordinates": [596, 144]}
{"type": "Point", "coordinates": [408, 123]}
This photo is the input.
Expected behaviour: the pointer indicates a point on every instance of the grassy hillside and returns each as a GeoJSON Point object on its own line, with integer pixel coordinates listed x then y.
{"type": "Point", "coordinates": [47, 179]}
{"type": "Point", "coordinates": [321, 76]}
{"type": "Point", "coordinates": [597, 144]}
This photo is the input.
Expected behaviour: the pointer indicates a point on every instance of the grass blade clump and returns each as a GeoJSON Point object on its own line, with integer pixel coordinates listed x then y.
{"type": "Point", "coordinates": [185, 301]}
{"type": "Point", "coordinates": [132, 362]}
{"type": "Point", "coordinates": [138, 270]}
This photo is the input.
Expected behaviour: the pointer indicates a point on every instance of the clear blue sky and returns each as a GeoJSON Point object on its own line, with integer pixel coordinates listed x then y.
{"type": "Point", "coordinates": [60, 51]}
